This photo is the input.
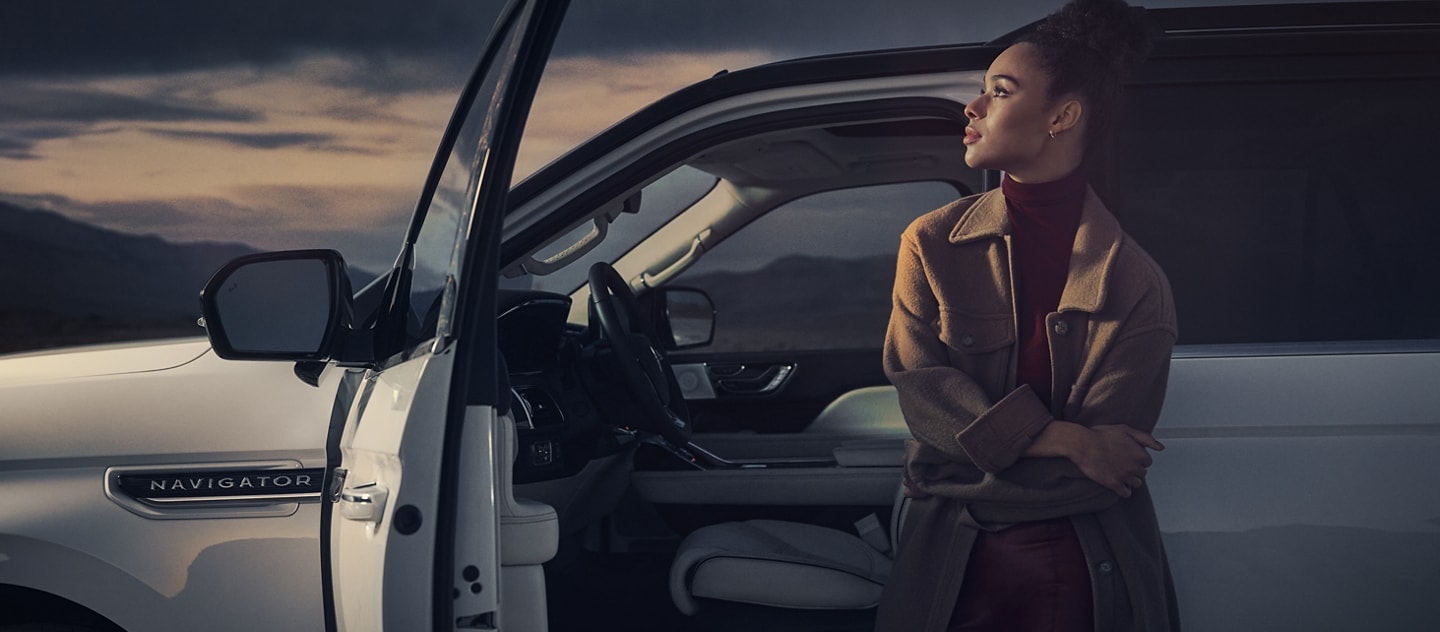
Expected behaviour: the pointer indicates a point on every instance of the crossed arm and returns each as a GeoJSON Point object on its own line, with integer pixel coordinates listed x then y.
{"type": "Point", "coordinates": [1011, 460]}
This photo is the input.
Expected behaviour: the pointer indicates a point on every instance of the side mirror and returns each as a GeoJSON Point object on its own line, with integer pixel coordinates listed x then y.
{"type": "Point", "coordinates": [292, 305]}
{"type": "Point", "coordinates": [685, 317]}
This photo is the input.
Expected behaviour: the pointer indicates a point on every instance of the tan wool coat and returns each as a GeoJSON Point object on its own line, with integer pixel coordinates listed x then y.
{"type": "Point", "coordinates": [951, 353]}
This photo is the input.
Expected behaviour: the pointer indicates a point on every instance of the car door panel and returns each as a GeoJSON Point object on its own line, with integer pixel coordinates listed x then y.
{"type": "Point", "coordinates": [746, 400]}
{"type": "Point", "coordinates": [829, 434]}
{"type": "Point", "coordinates": [772, 486]}
{"type": "Point", "coordinates": [413, 536]}
{"type": "Point", "coordinates": [830, 398]}
{"type": "Point", "coordinates": [390, 483]}
{"type": "Point", "coordinates": [1315, 458]}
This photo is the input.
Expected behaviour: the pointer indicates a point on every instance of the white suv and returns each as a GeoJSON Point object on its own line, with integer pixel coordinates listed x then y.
{"type": "Point", "coordinates": [1274, 160]}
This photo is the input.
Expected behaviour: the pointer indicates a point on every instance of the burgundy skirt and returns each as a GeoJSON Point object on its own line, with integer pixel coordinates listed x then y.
{"type": "Point", "coordinates": [1030, 577]}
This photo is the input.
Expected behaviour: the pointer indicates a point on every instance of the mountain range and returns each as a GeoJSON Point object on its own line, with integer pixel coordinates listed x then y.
{"type": "Point", "coordinates": [800, 302]}
{"type": "Point", "coordinates": [64, 282]}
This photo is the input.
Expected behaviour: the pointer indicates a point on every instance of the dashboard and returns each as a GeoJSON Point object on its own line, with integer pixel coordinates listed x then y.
{"type": "Point", "coordinates": [549, 365]}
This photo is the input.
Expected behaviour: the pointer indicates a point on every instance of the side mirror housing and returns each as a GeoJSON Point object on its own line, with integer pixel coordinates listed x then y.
{"type": "Point", "coordinates": [293, 305]}
{"type": "Point", "coordinates": [684, 317]}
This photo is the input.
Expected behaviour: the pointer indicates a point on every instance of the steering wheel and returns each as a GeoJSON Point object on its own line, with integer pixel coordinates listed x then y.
{"type": "Point", "coordinates": [643, 367]}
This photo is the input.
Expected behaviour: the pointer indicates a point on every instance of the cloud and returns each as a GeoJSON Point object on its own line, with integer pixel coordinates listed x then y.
{"type": "Point", "coordinates": [202, 134]}
{"type": "Point", "coordinates": [630, 82]}
{"type": "Point", "coordinates": [17, 148]}
{"type": "Point", "coordinates": [414, 43]}
{"type": "Point", "coordinates": [253, 140]}
{"type": "Point", "coordinates": [45, 102]}
{"type": "Point", "coordinates": [792, 28]}
{"type": "Point", "coordinates": [33, 112]}
{"type": "Point", "coordinates": [97, 37]}
{"type": "Point", "coordinates": [271, 140]}
{"type": "Point", "coordinates": [103, 37]}
{"type": "Point", "coordinates": [17, 142]}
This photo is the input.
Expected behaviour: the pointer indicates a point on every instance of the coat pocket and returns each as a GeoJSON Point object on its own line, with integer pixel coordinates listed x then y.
{"type": "Point", "coordinates": [980, 346]}
{"type": "Point", "coordinates": [968, 333]}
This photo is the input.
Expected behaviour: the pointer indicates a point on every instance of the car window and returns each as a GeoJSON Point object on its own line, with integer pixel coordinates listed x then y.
{"type": "Point", "coordinates": [812, 274]}
{"type": "Point", "coordinates": [439, 241]}
{"type": "Point", "coordinates": [1288, 211]}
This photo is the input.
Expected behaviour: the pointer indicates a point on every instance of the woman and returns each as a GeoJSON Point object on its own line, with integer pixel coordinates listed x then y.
{"type": "Point", "coordinates": [1030, 344]}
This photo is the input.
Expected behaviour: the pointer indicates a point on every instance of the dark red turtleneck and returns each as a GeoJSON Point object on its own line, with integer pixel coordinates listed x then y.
{"type": "Point", "coordinates": [1044, 218]}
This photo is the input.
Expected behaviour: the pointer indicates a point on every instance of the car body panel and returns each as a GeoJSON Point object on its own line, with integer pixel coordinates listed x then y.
{"type": "Point", "coordinates": [127, 357]}
{"type": "Point", "coordinates": [1303, 498]}
{"type": "Point", "coordinates": [64, 436]}
{"type": "Point", "coordinates": [74, 418]}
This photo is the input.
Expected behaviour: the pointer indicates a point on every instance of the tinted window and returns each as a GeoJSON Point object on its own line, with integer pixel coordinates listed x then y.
{"type": "Point", "coordinates": [1289, 210]}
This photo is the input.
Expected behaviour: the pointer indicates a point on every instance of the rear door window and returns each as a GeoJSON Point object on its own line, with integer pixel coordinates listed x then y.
{"type": "Point", "coordinates": [1289, 198]}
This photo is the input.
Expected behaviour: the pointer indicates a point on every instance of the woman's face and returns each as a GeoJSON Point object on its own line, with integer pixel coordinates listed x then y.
{"type": "Point", "coordinates": [1010, 121]}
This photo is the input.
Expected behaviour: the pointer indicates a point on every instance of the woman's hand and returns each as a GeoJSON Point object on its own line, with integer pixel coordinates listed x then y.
{"type": "Point", "coordinates": [1112, 455]}
{"type": "Point", "coordinates": [1115, 456]}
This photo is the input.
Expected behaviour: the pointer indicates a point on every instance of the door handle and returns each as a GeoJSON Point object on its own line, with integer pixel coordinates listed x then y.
{"type": "Point", "coordinates": [364, 503]}
{"type": "Point", "coordinates": [745, 383]}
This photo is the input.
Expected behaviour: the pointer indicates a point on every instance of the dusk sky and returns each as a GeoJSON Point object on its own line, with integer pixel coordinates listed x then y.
{"type": "Point", "coordinates": [312, 124]}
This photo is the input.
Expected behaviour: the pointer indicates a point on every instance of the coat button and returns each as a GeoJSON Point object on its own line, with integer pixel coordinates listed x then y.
{"type": "Point", "coordinates": [967, 340]}
{"type": "Point", "coordinates": [1105, 567]}
{"type": "Point", "coordinates": [1062, 328]}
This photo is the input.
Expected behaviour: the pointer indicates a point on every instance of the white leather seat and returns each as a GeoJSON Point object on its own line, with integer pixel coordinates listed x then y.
{"type": "Point", "coordinates": [529, 530]}
{"type": "Point", "coordinates": [780, 564]}
{"type": "Point", "coordinates": [529, 537]}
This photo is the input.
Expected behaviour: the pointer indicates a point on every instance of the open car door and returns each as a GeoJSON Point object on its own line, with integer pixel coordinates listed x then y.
{"type": "Point", "coordinates": [412, 530]}
{"type": "Point", "coordinates": [410, 538]}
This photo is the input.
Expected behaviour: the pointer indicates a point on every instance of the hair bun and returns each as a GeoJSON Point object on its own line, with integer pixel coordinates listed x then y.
{"type": "Point", "coordinates": [1110, 29]}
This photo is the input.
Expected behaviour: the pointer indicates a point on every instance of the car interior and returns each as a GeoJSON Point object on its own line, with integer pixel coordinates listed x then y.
{"type": "Point", "coordinates": [774, 504]}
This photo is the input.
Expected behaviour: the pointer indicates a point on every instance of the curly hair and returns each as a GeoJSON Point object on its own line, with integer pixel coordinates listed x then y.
{"type": "Point", "coordinates": [1088, 48]}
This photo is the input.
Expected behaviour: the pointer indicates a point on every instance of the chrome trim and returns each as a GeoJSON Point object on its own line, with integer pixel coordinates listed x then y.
{"type": "Point", "coordinates": [701, 459]}
{"type": "Point", "coordinates": [527, 422]}
{"type": "Point", "coordinates": [184, 508]}
{"type": "Point", "coordinates": [1271, 432]}
{"type": "Point", "coordinates": [521, 391]}
{"type": "Point", "coordinates": [231, 500]}
{"type": "Point", "coordinates": [1273, 349]}
{"type": "Point", "coordinates": [1322, 28]}
{"type": "Point", "coordinates": [783, 371]}
{"type": "Point", "coordinates": [560, 302]}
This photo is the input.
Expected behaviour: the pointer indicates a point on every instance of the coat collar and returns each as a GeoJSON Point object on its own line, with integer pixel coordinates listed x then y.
{"type": "Point", "coordinates": [1091, 261]}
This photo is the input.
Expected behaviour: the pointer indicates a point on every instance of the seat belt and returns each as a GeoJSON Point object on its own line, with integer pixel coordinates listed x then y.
{"type": "Point", "coordinates": [873, 533]}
